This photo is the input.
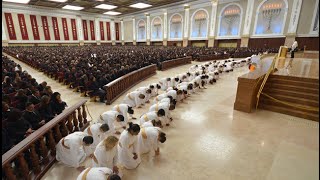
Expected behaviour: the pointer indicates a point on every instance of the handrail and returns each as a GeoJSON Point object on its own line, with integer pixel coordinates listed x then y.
{"type": "Point", "coordinates": [175, 62]}
{"type": "Point", "coordinates": [270, 70]}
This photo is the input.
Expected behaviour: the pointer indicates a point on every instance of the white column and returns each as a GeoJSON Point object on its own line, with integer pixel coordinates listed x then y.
{"type": "Point", "coordinates": [112, 26]}
{"type": "Point", "coordinates": [97, 28]}
{"type": "Point", "coordinates": [213, 17]}
{"type": "Point", "coordinates": [186, 22]}
{"type": "Point", "coordinates": [134, 29]}
{"type": "Point", "coordinates": [79, 27]}
{"type": "Point", "coordinates": [247, 20]}
{"type": "Point", "coordinates": [4, 35]}
{"type": "Point", "coordinates": [148, 26]}
{"type": "Point", "coordinates": [165, 25]}
{"type": "Point", "coordinates": [122, 30]}
{"type": "Point", "coordinates": [295, 14]}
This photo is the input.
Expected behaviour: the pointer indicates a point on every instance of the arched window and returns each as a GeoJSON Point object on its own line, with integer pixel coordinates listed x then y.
{"type": "Point", "coordinates": [270, 17]}
{"type": "Point", "coordinates": [230, 20]}
{"type": "Point", "coordinates": [176, 27]}
{"type": "Point", "coordinates": [156, 30]}
{"type": "Point", "coordinates": [199, 22]}
{"type": "Point", "coordinates": [141, 30]}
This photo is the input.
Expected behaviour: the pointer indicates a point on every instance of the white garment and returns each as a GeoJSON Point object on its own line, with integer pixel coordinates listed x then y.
{"type": "Point", "coordinates": [159, 97]}
{"type": "Point", "coordinates": [147, 124]}
{"type": "Point", "coordinates": [123, 110]}
{"type": "Point", "coordinates": [148, 140]}
{"type": "Point", "coordinates": [126, 147]}
{"type": "Point", "coordinates": [94, 131]}
{"type": "Point", "coordinates": [104, 158]}
{"type": "Point", "coordinates": [110, 117]}
{"type": "Point", "coordinates": [294, 45]}
{"type": "Point", "coordinates": [154, 91]}
{"type": "Point", "coordinates": [172, 93]}
{"type": "Point", "coordinates": [71, 152]}
{"type": "Point", "coordinates": [132, 99]}
{"type": "Point", "coordinates": [143, 90]}
{"type": "Point", "coordinates": [148, 117]}
{"type": "Point", "coordinates": [165, 106]}
{"type": "Point", "coordinates": [95, 173]}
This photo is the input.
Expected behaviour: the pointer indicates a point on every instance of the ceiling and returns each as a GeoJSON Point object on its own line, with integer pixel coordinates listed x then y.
{"type": "Point", "coordinates": [123, 5]}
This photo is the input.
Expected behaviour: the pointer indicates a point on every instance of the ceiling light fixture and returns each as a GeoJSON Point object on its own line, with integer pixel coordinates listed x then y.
{"type": "Point", "coordinates": [112, 13]}
{"type": "Point", "coordinates": [106, 6]}
{"type": "Point", "coordinates": [140, 5]}
{"type": "Point", "coordinates": [18, 1]}
{"type": "Point", "coordinates": [70, 7]}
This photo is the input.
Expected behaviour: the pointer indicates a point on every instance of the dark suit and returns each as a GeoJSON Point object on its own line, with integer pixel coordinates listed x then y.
{"type": "Point", "coordinates": [33, 118]}
{"type": "Point", "coordinates": [34, 99]}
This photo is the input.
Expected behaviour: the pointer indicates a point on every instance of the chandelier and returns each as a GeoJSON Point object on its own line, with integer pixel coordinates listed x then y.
{"type": "Point", "coordinates": [271, 11]}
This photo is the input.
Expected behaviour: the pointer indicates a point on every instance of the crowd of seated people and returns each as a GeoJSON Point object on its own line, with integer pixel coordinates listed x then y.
{"type": "Point", "coordinates": [26, 105]}
{"type": "Point", "coordinates": [90, 68]}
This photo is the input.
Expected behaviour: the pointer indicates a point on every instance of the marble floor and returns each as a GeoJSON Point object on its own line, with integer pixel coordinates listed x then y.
{"type": "Point", "coordinates": [209, 140]}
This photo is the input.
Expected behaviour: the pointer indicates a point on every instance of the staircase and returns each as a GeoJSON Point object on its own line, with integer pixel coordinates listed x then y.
{"type": "Point", "coordinates": [294, 90]}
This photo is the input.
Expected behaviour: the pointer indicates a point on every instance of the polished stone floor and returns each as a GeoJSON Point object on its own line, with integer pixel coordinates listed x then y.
{"type": "Point", "coordinates": [208, 140]}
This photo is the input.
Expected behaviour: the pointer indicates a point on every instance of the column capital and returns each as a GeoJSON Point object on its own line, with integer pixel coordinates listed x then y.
{"type": "Point", "coordinates": [186, 7]}
{"type": "Point", "coordinates": [214, 2]}
{"type": "Point", "coordinates": [147, 14]}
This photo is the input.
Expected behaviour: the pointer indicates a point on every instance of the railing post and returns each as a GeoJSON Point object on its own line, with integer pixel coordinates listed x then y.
{"type": "Point", "coordinates": [80, 118]}
{"type": "Point", "coordinates": [23, 166]}
{"type": "Point", "coordinates": [9, 172]}
{"type": "Point", "coordinates": [69, 124]}
{"type": "Point", "coordinates": [75, 121]}
{"type": "Point", "coordinates": [51, 143]}
{"type": "Point", "coordinates": [84, 114]}
{"type": "Point", "coordinates": [57, 133]}
{"type": "Point", "coordinates": [43, 150]}
{"type": "Point", "coordinates": [34, 159]}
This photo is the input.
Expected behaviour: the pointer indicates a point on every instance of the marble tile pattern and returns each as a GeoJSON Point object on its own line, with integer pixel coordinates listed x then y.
{"type": "Point", "coordinates": [209, 140]}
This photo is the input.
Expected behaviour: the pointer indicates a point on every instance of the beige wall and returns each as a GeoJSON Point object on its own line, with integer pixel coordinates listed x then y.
{"type": "Point", "coordinates": [306, 15]}
{"type": "Point", "coordinates": [128, 31]}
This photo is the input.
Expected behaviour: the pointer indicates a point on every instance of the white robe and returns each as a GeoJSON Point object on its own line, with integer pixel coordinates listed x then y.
{"type": "Point", "coordinates": [128, 145]}
{"type": "Point", "coordinates": [159, 97]}
{"type": "Point", "coordinates": [95, 173]}
{"type": "Point", "coordinates": [71, 152]}
{"type": "Point", "coordinates": [164, 83]}
{"type": "Point", "coordinates": [94, 131]}
{"type": "Point", "coordinates": [132, 99]}
{"type": "Point", "coordinates": [148, 140]}
{"type": "Point", "coordinates": [123, 110]}
{"type": "Point", "coordinates": [154, 91]}
{"type": "Point", "coordinates": [143, 90]}
{"type": "Point", "coordinates": [172, 93]}
{"type": "Point", "coordinates": [148, 117]}
{"type": "Point", "coordinates": [147, 124]}
{"type": "Point", "coordinates": [162, 105]}
{"type": "Point", "coordinates": [104, 158]}
{"type": "Point", "coordinates": [109, 117]}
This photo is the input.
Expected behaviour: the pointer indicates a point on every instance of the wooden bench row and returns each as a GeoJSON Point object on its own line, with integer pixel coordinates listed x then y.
{"type": "Point", "coordinates": [175, 62]}
{"type": "Point", "coordinates": [32, 157]}
{"type": "Point", "coordinates": [210, 57]}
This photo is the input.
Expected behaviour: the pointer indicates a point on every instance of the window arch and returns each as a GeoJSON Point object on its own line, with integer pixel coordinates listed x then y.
{"type": "Point", "coordinates": [156, 28]}
{"type": "Point", "coordinates": [230, 20]}
{"type": "Point", "coordinates": [270, 17]}
{"type": "Point", "coordinates": [175, 26]}
{"type": "Point", "coordinates": [141, 30]}
{"type": "Point", "coordinates": [199, 24]}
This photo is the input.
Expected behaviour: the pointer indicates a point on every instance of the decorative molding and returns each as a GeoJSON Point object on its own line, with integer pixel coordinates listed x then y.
{"type": "Point", "coordinates": [186, 24]}
{"type": "Point", "coordinates": [152, 29]}
{"type": "Point", "coordinates": [295, 14]}
{"type": "Point", "coordinates": [191, 25]}
{"type": "Point", "coordinates": [182, 27]}
{"type": "Point", "coordinates": [248, 18]}
{"type": "Point", "coordinates": [213, 18]}
{"type": "Point", "coordinates": [165, 25]}
{"type": "Point", "coordinates": [220, 18]}
{"type": "Point", "coordinates": [315, 14]}
{"type": "Point", "coordinates": [137, 32]}
{"type": "Point", "coordinates": [148, 27]}
{"type": "Point", "coordinates": [134, 29]}
{"type": "Point", "coordinates": [307, 35]}
{"type": "Point", "coordinates": [268, 36]}
{"type": "Point", "coordinates": [227, 37]}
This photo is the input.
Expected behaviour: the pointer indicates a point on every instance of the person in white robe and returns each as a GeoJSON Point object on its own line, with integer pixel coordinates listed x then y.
{"type": "Point", "coordinates": [152, 123]}
{"type": "Point", "coordinates": [124, 110]}
{"type": "Point", "coordinates": [152, 115]}
{"type": "Point", "coordinates": [71, 149]}
{"type": "Point", "coordinates": [172, 93]}
{"type": "Point", "coordinates": [166, 107]}
{"type": "Point", "coordinates": [146, 92]}
{"type": "Point", "coordinates": [154, 89]}
{"type": "Point", "coordinates": [148, 140]}
{"type": "Point", "coordinates": [111, 117]}
{"type": "Point", "coordinates": [98, 131]}
{"type": "Point", "coordinates": [98, 173]}
{"type": "Point", "coordinates": [106, 154]}
{"type": "Point", "coordinates": [134, 99]}
{"type": "Point", "coordinates": [165, 83]}
{"type": "Point", "coordinates": [128, 147]}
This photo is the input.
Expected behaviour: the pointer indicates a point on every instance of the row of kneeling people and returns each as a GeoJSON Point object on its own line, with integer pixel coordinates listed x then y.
{"type": "Point", "coordinates": [109, 153]}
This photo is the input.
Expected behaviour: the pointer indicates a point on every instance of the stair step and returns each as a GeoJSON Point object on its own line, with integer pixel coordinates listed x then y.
{"type": "Point", "coordinates": [288, 92]}
{"type": "Point", "coordinates": [296, 100]}
{"type": "Point", "coordinates": [294, 78]}
{"type": "Point", "coordinates": [268, 101]}
{"type": "Point", "coordinates": [291, 112]}
{"type": "Point", "coordinates": [292, 88]}
{"type": "Point", "coordinates": [293, 82]}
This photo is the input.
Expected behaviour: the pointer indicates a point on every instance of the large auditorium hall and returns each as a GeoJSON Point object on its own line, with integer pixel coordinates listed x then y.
{"type": "Point", "coordinates": [160, 90]}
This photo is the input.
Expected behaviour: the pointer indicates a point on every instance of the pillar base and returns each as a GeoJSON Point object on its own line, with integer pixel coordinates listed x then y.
{"type": "Point", "coordinates": [81, 42]}
{"type": "Point", "coordinates": [290, 38]}
{"type": "Point", "coordinates": [122, 42]}
{"type": "Point", "coordinates": [5, 43]}
{"type": "Point", "coordinates": [134, 43]}
{"type": "Point", "coordinates": [165, 42]}
{"type": "Point", "coordinates": [211, 42]}
{"type": "Point", "coordinates": [113, 43]}
{"type": "Point", "coordinates": [98, 43]}
{"type": "Point", "coordinates": [244, 41]}
{"type": "Point", "coordinates": [148, 42]}
{"type": "Point", "coordinates": [185, 42]}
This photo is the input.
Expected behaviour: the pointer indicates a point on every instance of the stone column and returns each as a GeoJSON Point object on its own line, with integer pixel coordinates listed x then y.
{"type": "Point", "coordinates": [97, 28]}
{"type": "Point", "coordinates": [186, 26]}
{"type": "Point", "coordinates": [122, 31]}
{"type": "Point", "coordinates": [294, 18]}
{"type": "Point", "coordinates": [113, 32]}
{"type": "Point", "coordinates": [214, 6]}
{"type": "Point", "coordinates": [247, 24]}
{"type": "Point", "coordinates": [165, 29]}
{"type": "Point", "coordinates": [134, 40]}
{"type": "Point", "coordinates": [80, 31]}
{"type": "Point", "coordinates": [5, 41]}
{"type": "Point", "coordinates": [148, 28]}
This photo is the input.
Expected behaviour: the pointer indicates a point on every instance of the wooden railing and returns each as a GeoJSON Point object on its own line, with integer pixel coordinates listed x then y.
{"type": "Point", "coordinates": [32, 157]}
{"type": "Point", "coordinates": [175, 62]}
{"type": "Point", "coordinates": [117, 87]}
{"type": "Point", "coordinates": [210, 57]}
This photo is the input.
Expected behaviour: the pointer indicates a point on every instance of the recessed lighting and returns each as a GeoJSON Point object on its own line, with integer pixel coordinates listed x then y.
{"type": "Point", "coordinates": [17, 1]}
{"type": "Point", "coordinates": [140, 5]}
{"type": "Point", "coordinates": [106, 6]}
{"type": "Point", "coordinates": [70, 7]}
{"type": "Point", "coordinates": [61, 1]}
{"type": "Point", "coordinates": [113, 13]}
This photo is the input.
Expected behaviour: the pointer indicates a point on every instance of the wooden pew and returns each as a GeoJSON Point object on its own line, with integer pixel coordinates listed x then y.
{"type": "Point", "coordinates": [174, 63]}
{"type": "Point", "coordinates": [40, 145]}
{"type": "Point", "coordinates": [118, 86]}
